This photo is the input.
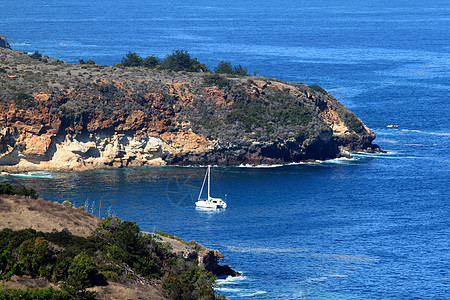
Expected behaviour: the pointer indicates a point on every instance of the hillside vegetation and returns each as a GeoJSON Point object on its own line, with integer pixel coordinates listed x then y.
{"type": "Point", "coordinates": [115, 254]}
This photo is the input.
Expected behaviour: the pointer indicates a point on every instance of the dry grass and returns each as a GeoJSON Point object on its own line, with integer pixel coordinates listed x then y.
{"type": "Point", "coordinates": [17, 212]}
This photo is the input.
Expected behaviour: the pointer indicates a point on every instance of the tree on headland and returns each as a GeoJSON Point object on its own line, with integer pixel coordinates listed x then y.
{"type": "Point", "coordinates": [180, 60]}
{"type": "Point", "coordinates": [132, 60]}
{"type": "Point", "coordinates": [151, 62]}
{"type": "Point", "coordinates": [225, 67]}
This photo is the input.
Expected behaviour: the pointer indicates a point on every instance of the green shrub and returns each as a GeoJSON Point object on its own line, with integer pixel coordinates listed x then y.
{"type": "Point", "coordinates": [317, 88]}
{"type": "Point", "coordinates": [8, 266]}
{"type": "Point", "coordinates": [255, 113]}
{"type": "Point", "coordinates": [352, 121]}
{"type": "Point", "coordinates": [22, 96]}
{"type": "Point", "coordinates": [38, 294]}
{"type": "Point", "coordinates": [180, 60]}
{"type": "Point", "coordinates": [132, 60]}
{"type": "Point", "coordinates": [67, 203]}
{"type": "Point", "coordinates": [217, 80]}
{"type": "Point", "coordinates": [151, 62]}
{"type": "Point", "coordinates": [226, 68]}
{"type": "Point", "coordinates": [2, 70]}
{"type": "Point", "coordinates": [9, 189]}
{"type": "Point", "coordinates": [36, 55]}
{"type": "Point", "coordinates": [36, 256]}
{"type": "Point", "coordinates": [81, 273]}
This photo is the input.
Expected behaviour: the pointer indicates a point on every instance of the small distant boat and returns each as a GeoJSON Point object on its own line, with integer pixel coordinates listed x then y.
{"type": "Point", "coordinates": [209, 202]}
{"type": "Point", "coordinates": [392, 126]}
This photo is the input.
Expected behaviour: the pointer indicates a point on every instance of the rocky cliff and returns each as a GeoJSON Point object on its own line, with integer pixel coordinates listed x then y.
{"type": "Point", "coordinates": [3, 42]}
{"type": "Point", "coordinates": [60, 116]}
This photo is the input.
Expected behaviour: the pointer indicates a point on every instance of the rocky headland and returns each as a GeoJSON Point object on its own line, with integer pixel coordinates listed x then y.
{"type": "Point", "coordinates": [61, 116]}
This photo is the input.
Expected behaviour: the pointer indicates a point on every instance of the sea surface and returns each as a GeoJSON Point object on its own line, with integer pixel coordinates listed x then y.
{"type": "Point", "coordinates": [371, 227]}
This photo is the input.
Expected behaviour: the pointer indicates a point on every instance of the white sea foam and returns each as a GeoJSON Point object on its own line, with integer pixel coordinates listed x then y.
{"type": "Point", "coordinates": [253, 294]}
{"type": "Point", "coordinates": [265, 250]}
{"type": "Point", "coordinates": [315, 279]}
{"type": "Point", "coordinates": [47, 175]}
{"type": "Point", "coordinates": [336, 275]}
{"type": "Point", "coordinates": [439, 133]}
{"type": "Point", "coordinates": [387, 141]}
{"type": "Point", "coordinates": [227, 290]}
{"type": "Point", "coordinates": [259, 166]}
{"type": "Point", "coordinates": [232, 280]}
{"type": "Point", "coordinates": [349, 258]}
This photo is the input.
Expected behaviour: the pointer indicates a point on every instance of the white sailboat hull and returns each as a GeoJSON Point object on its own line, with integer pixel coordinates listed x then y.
{"type": "Point", "coordinates": [211, 203]}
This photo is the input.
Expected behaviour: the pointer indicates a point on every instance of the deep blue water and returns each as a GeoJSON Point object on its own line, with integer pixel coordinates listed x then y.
{"type": "Point", "coordinates": [374, 227]}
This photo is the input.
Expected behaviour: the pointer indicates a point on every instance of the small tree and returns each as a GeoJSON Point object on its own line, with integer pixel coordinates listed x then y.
{"type": "Point", "coordinates": [224, 67]}
{"type": "Point", "coordinates": [180, 60]}
{"type": "Point", "coordinates": [151, 62]}
{"type": "Point", "coordinates": [36, 256]}
{"type": "Point", "coordinates": [81, 273]}
{"type": "Point", "coordinates": [132, 60]}
{"type": "Point", "coordinates": [240, 70]}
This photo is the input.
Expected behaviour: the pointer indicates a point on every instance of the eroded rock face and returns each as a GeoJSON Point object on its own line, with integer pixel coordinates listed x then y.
{"type": "Point", "coordinates": [3, 42]}
{"type": "Point", "coordinates": [62, 116]}
{"type": "Point", "coordinates": [204, 257]}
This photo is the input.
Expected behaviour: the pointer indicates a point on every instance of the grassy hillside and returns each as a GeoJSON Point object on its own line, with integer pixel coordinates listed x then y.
{"type": "Point", "coordinates": [109, 257]}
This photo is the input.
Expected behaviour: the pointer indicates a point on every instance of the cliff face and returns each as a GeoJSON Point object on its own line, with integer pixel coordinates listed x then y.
{"type": "Point", "coordinates": [3, 42]}
{"type": "Point", "coordinates": [60, 116]}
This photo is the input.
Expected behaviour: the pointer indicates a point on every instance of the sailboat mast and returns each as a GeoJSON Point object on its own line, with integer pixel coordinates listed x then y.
{"type": "Point", "coordinates": [209, 180]}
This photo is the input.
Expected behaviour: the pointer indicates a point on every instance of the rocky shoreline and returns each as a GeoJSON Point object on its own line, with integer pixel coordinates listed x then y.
{"type": "Point", "coordinates": [59, 116]}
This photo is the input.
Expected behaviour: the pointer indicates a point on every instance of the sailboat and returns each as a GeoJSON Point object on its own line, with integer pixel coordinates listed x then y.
{"type": "Point", "coordinates": [210, 202]}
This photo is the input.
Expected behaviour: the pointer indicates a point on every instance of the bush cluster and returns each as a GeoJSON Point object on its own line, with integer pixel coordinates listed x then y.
{"type": "Point", "coordinates": [266, 113]}
{"type": "Point", "coordinates": [352, 121]}
{"type": "Point", "coordinates": [226, 68]}
{"type": "Point", "coordinates": [21, 190]}
{"type": "Point", "coordinates": [179, 60]}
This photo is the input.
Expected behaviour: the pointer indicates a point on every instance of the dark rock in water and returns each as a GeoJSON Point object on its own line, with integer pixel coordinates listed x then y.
{"type": "Point", "coordinates": [210, 261]}
{"type": "Point", "coordinates": [225, 271]}
{"type": "Point", "coordinates": [3, 42]}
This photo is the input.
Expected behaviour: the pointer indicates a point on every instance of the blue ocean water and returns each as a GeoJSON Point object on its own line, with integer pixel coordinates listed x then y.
{"type": "Point", "coordinates": [373, 227]}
